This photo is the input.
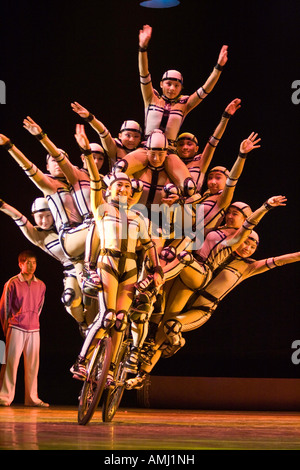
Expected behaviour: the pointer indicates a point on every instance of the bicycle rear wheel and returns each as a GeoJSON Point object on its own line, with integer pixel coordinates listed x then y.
{"type": "Point", "coordinates": [113, 396]}
{"type": "Point", "coordinates": [93, 387]}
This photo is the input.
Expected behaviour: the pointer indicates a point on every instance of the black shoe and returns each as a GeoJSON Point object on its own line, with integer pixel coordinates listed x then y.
{"type": "Point", "coordinates": [131, 365]}
{"type": "Point", "coordinates": [79, 370]}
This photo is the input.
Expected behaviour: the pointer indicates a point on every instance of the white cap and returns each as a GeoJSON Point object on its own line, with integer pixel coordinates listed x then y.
{"type": "Point", "coordinates": [188, 136]}
{"type": "Point", "coordinates": [173, 75]}
{"type": "Point", "coordinates": [40, 204]}
{"type": "Point", "coordinates": [96, 148]}
{"type": "Point", "coordinates": [221, 169]}
{"type": "Point", "coordinates": [119, 176]}
{"type": "Point", "coordinates": [157, 140]}
{"type": "Point", "coordinates": [254, 236]}
{"type": "Point", "coordinates": [131, 126]}
{"type": "Point", "coordinates": [244, 208]}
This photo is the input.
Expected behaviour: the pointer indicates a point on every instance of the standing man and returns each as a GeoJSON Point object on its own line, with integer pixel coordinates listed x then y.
{"type": "Point", "coordinates": [20, 307]}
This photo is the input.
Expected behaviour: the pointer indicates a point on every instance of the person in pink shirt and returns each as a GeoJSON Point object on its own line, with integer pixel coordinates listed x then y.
{"type": "Point", "coordinates": [21, 304]}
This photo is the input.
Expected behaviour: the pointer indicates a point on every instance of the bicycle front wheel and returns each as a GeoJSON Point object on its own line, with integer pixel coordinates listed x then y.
{"type": "Point", "coordinates": [113, 396]}
{"type": "Point", "coordinates": [93, 387]}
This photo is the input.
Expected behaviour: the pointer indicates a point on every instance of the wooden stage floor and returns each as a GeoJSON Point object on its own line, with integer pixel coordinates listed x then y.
{"type": "Point", "coordinates": [139, 429]}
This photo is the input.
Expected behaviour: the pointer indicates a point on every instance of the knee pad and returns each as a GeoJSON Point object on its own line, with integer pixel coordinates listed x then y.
{"type": "Point", "coordinates": [189, 187]}
{"type": "Point", "coordinates": [170, 189]}
{"type": "Point", "coordinates": [121, 320]}
{"type": "Point", "coordinates": [168, 253]}
{"type": "Point", "coordinates": [186, 258]}
{"type": "Point", "coordinates": [137, 186]}
{"type": "Point", "coordinates": [140, 309]}
{"type": "Point", "coordinates": [109, 319]}
{"type": "Point", "coordinates": [168, 350]}
{"type": "Point", "coordinates": [68, 296]}
{"type": "Point", "coordinates": [172, 329]}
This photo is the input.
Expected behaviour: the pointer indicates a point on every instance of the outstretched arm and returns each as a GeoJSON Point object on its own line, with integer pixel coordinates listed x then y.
{"type": "Point", "coordinates": [71, 172]}
{"type": "Point", "coordinates": [213, 141]}
{"type": "Point", "coordinates": [46, 184]}
{"type": "Point", "coordinates": [145, 77]}
{"type": "Point", "coordinates": [107, 141]}
{"type": "Point", "coordinates": [210, 83]}
{"type": "Point", "coordinates": [96, 183]}
{"type": "Point", "coordinates": [251, 222]}
{"type": "Point", "coordinates": [246, 146]}
{"type": "Point", "coordinates": [35, 236]}
{"type": "Point", "coordinates": [263, 265]}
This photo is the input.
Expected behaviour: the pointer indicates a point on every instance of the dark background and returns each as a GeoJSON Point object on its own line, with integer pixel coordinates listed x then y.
{"type": "Point", "coordinates": [53, 53]}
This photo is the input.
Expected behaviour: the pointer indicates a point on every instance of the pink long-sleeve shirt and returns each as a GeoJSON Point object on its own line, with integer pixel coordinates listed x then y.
{"type": "Point", "coordinates": [21, 303]}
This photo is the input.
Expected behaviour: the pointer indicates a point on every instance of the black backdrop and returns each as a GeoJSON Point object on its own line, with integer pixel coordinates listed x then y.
{"type": "Point", "coordinates": [53, 53]}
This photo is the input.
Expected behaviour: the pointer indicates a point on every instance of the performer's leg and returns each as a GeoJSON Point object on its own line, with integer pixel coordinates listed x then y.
{"type": "Point", "coordinates": [136, 161]}
{"type": "Point", "coordinates": [179, 174]}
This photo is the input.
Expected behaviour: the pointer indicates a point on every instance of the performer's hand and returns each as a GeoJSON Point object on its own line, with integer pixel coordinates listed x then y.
{"type": "Point", "coordinates": [171, 199]}
{"type": "Point", "coordinates": [81, 137]}
{"type": "Point", "coordinates": [31, 126]}
{"type": "Point", "coordinates": [223, 56]}
{"type": "Point", "coordinates": [233, 106]}
{"type": "Point", "coordinates": [276, 201]}
{"type": "Point", "coordinates": [145, 35]}
{"type": "Point", "coordinates": [3, 139]}
{"type": "Point", "coordinates": [77, 108]}
{"type": "Point", "coordinates": [249, 144]}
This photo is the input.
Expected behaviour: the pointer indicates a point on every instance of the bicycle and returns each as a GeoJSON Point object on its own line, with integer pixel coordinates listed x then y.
{"type": "Point", "coordinates": [95, 385]}
{"type": "Point", "coordinates": [114, 393]}
{"type": "Point", "coordinates": [95, 381]}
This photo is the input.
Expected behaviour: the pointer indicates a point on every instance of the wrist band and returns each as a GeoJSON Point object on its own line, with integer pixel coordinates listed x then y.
{"type": "Point", "coordinates": [268, 206]}
{"type": "Point", "coordinates": [242, 155]}
{"type": "Point", "coordinates": [142, 49]}
{"type": "Point", "coordinates": [86, 152]}
{"type": "Point", "coordinates": [8, 145]}
{"type": "Point", "coordinates": [219, 67]}
{"type": "Point", "coordinates": [226, 115]}
{"type": "Point", "coordinates": [41, 135]}
{"type": "Point", "coordinates": [89, 118]}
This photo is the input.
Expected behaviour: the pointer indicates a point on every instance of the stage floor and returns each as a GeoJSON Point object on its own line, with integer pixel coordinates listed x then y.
{"type": "Point", "coordinates": [56, 428]}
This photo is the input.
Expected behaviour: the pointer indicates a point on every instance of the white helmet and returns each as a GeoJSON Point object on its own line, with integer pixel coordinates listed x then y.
{"type": "Point", "coordinates": [173, 75]}
{"type": "Point", "coordinates": [119, 176]}
{"type": "Point", "coordinates": [254, 236]}
{"type": "Point", "coordinates": [221, 169]}
{"type": "Point", "coordinates": [157, 141]}
{"type": "Point", "coordinates": [131, 126]}
{"type": "Point", "coordinates": [40, 204]}
{"type": "Point", "coordinates": [188, 136]}
{"type": "Point", "coordinates": [244, 208]}
{"type": "Point", "coordinates": [96, 148]}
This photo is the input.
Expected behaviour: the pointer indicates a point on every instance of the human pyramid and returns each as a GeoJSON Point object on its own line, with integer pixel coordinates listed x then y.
{"type": "Point", "coordinates": [143, 242]}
